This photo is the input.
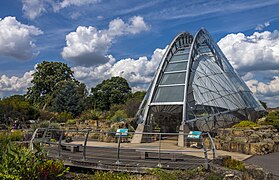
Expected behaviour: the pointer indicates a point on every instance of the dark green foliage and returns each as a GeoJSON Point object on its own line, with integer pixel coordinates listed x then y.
{"type": "Point", "coordinates": [63, 117]}
{"type": "Point", "coordinates": [263, 104]}
{"type": "Point", "coordinates": [246, 123]}
{"type": "Point", "coordinates": [273, 119]}
{"type": "Point", "coordinates": [90, 114]}
{"type": "Point", "coordinates": [132, 104]}
{"type": "Point", "coordinates": [45, 81]}
{"type": "Point", "coordinates": [68, 97]}
{"type": "Point", "coordinates": [16, 108]}
{"type": "Point", "coordinates": [111, 91]}
{"type": "Point", "coordinates": [119, 115]}
{"type": "Point", "coordinates": [234, 164]}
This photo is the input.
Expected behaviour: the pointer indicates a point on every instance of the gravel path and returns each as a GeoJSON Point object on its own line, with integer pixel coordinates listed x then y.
{"type": "Point", "coordinates": [269, 162]}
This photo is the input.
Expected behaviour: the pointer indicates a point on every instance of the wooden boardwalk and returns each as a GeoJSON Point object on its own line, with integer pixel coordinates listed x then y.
{"type": "Point", "coordinates": [130, 160]}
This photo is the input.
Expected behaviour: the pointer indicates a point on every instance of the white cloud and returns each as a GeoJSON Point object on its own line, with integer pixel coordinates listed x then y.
{"type": "Point", "coordinates": [138, 72]}
{"type": "Point", "coordinates": [260, 27]}
{"type": "Point", "coordinates": [257, 52]}
{"type": "Point", "coordinates": [267, 92]}
{"type": "Point", "coordinates": [67, 3]}
{"type": "Point", "coordinates": [14, 84]}
{"type": "Point", "coordinates": [35, 8]}
{"type": "Point", "coordinates": [89, 46]}
{"type": "Point", "coordinates": [270, 88]}
{"type": "Point", "coordinates": [16, 39]}
{"type": "Point", "coordinates": [248, 76]}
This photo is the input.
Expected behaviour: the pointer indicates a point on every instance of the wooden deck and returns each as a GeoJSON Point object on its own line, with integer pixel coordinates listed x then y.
{"type": "Point", "coordinates": [106, 158]}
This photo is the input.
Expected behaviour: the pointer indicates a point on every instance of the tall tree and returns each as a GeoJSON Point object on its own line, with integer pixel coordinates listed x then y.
{"type": "Point", "coordinates": [45, 81]}
{"type": "Point", "coordinates": [111, 91]}
{"type": "Point", "coordinates": [69, 97]}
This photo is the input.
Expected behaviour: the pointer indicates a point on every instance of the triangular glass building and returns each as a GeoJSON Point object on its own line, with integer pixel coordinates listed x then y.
{"type": "Point", "coordinates": [195, 88]}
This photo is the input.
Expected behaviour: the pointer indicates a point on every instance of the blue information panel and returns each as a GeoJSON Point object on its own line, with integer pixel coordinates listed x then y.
{"type": "Point", "coordinates": [124, 132]}
{"type": "Point", "coordinates": [194, 134]}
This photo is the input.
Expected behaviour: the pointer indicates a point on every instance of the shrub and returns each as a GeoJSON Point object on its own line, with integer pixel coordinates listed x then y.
{"type": "Point", "coordinates": [16, 135]}
{"type": "Point", "coordinates": [273, 119]}
{"type": "Point", "coordinates": [245, 124]}
{"type": "Point", "coordinates": [234, 164]}
{"type": "Point", "coordinates": [63, 117]}
{"type": "Point", "coordinates": [119, 115]}
{"type": "Point", "coordinates": [18, 162]}
{"type": "Point", "coordinates": [45, 124]}
{"type": "Point", "coordinates": [100, 175]}
{"type": "Point", "coordinates": [71, 121]}
{"type": "Point", "coordinates": [90, 114]}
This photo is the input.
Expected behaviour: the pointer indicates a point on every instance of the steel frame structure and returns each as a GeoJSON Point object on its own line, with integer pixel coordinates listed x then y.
{"type": "Point", "coordinates": [194, 74]}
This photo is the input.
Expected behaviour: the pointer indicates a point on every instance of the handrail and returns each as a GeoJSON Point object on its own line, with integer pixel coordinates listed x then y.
{"type": "Point", "coordinates": [156, 148]}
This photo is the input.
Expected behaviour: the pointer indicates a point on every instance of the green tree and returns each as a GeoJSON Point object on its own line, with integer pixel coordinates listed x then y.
{"type": "Point", "coordinates": [45, 80]}
{"type": "Point", "coordinates": [263, 104]}
{"type": "Point", "coordinates": [133, 102]}
{"type": "Point", "coordinates": [111, 91]}
{"type": "Point", "coordinates": [17, 108]}
{"type": "Point", "coordinates": [69, 97]}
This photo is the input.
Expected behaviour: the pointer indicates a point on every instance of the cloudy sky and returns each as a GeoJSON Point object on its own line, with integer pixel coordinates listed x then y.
{"type": "Point", "coordinates": [103, 38]}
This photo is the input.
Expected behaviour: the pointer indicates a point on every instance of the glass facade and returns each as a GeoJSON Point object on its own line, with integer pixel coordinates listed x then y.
{"type": "Point", "coordinates": [195, 77]}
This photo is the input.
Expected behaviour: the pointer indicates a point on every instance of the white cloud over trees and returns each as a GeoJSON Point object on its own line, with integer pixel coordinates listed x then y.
{"type": "Point", "coordinates": [14, 84]}
{"type": "Point", "coordinates": [138, 72]}
{"type": "Point", "coordinates": [16, 39]}
{"type": "Point", "coordinates": [89, 46]}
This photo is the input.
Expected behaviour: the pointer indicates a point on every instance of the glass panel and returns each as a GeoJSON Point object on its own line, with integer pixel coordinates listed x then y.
{"type": "Point", "coordinates": [166, 94]}
{"type": "Point", "coordinates": [177, 66]}
{"type": "Point", "coordinates": [183, 51]}
{"type": "Point", "coordinates": [179, 57]}
{"type": "Point", "coordinates": [175, 78]}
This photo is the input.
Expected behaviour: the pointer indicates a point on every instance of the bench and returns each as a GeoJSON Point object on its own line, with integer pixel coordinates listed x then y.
{"type": "Point", "coordinates": [72, 147]}
{"type": "Point", "coordinates": [144, 153]}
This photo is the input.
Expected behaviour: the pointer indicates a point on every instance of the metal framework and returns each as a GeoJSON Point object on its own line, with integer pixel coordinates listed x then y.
{"type": "Point", "coordinates": [196, 83]}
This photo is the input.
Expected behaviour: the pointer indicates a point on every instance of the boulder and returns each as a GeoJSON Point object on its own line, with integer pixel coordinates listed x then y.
{"type": "Point", "coordinates": [254, 138]}
{"type": "Point", "coordinates": [241, 139]}
{"type": "Point", "coordinates": [238, 132]}
{"type": "Point", "coordinates": [244, 148]}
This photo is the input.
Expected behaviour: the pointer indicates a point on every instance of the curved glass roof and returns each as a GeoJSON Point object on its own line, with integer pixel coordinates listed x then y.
{"type": "Point", "coordinates": [195, 75]}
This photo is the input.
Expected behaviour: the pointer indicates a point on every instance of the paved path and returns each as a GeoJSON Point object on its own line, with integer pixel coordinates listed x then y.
{"type": "Point", "coordinates": [269, 162]}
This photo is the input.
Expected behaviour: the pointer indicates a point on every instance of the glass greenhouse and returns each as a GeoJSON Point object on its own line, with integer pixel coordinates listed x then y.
{"type": "Point", "coordinates": [195, 88]}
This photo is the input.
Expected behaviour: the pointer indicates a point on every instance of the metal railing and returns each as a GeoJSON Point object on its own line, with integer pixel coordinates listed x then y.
{"type": "Point", "coordinates": [115, 148]}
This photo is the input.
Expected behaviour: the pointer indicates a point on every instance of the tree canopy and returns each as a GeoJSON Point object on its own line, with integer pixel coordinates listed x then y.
{"type": "Point", "coordinates": [69, 97]}
{"type": "Point", "coordinates": [111, 91]}
{"type": "Point", "coordinates": [16, 108]}
{"type": "Point", "coordinates": [45, 81]}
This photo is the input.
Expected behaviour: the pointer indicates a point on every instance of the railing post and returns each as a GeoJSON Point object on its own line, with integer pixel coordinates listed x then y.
{"type": "Point", "coordinates": [31, 146]}
{"type": "Point", "coordinates": [205, 155]}
{"type": "Point", "coordinates": [85, 144]}
{"type": "Point", "coordinates": [59, 143]}
{"type": "Point", "coordinates": [213, 145]}
{"type": "Point", "coordinates": [118, 148]}
{"type": "Point", "coordinates": [159, 150]}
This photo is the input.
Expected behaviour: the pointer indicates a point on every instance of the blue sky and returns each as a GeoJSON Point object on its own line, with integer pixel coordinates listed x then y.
{"type": "Point", "coordinates": [99, 39]}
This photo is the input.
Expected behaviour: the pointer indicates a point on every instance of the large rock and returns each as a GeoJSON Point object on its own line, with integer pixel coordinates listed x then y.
{"type": "Point", "coordinates": [260, 148]}
{"type": "Point", "coordinates": [244, 148]}
{"type": "Point", "coordinates": [254, 138]}
{"type": "Point", "coordinates": [241, 139]}
{"type": "Point", "coordinates": [233, 146]}
{"type": "Point", "coordinates": [238, 132]}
